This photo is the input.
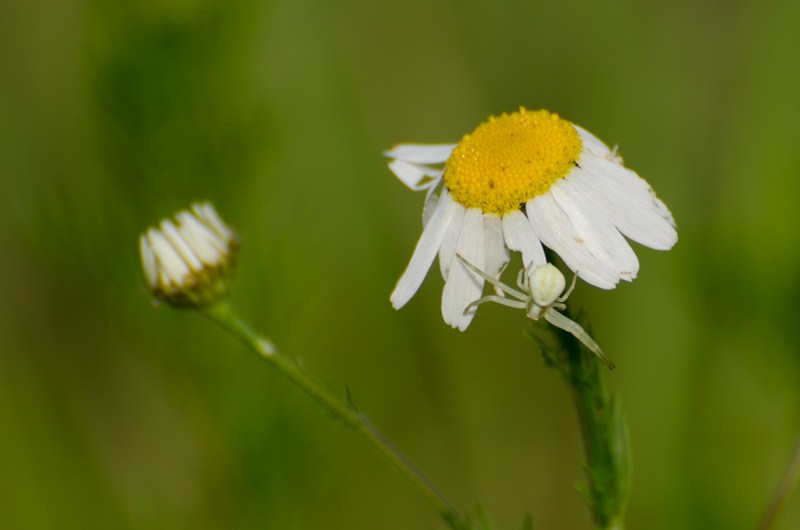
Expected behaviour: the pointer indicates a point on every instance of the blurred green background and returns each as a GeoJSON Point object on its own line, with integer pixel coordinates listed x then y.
{"type": "Point", "coordinates": [114, 414]}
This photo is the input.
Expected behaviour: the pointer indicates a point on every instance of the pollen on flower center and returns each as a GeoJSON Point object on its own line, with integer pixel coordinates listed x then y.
{"type": "Point", "coordinates": [510, 159]}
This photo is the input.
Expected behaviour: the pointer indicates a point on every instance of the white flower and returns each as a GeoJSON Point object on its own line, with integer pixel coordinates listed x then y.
{"type": "Point", "coordinates": [189, 261]}
{"type": "Point", "coordinates": [520, 181]}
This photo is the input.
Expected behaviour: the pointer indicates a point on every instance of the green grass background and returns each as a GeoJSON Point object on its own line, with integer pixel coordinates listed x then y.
{"type": "Point", "coordinates": [115, 114]}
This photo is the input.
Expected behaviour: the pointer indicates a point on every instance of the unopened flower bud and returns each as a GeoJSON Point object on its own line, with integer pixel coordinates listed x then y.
{"type": "Point", "coordinates": [189, 261]}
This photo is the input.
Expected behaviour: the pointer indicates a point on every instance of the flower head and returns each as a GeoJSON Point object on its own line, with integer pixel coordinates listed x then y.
{"type": "Point", "coordinates": [189, 262]}
{"type": "Point", "coordinates": [520, 181]}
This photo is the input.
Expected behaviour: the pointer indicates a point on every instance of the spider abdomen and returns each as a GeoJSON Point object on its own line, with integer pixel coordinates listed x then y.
{"type": "Point", "coordinates": [546, 284]}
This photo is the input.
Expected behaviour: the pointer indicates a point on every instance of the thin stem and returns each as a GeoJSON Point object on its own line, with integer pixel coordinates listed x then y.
{"type": "Point", "coordinates": [605, 439]}
{"type": "Point", "coordinates": [222, 314]}
{"type": "Point", "coordinates": [603, 429]}
{"type": "Point", "coordinates": [789, 482]}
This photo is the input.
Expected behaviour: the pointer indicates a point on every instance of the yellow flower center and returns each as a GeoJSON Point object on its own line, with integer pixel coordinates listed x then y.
{"type": "Point", "coordinates": [510, 159]}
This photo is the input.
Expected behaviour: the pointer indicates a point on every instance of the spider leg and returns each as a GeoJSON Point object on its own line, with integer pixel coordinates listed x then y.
{"type": "Point", "coordinates": [572, 327]}
{"type": "Point", "coordinates": [571, 287]}
{"type": "Point", "coordinates": [494, 281]}
{"type": "Point", "coordinates": [494, 298]}
{"type": "Point", "coordinates": [521, 280]}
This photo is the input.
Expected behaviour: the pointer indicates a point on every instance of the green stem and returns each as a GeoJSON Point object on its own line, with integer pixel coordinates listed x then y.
{"type": "Point", "coordinates": [603, 428]}
{"type": "Point", "coordinates": [605, 439]}
{"type": "Point", "coordinates": [222, 314]}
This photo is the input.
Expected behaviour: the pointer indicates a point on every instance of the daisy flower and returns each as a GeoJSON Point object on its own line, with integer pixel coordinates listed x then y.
{"type": "Point", "coordinates": [520, 181]}
{"type": "Point", "coordinates": [189, 261]}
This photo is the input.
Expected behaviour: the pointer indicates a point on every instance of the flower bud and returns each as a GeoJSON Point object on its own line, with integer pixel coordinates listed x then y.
{"type": "Point", "coordinates": [189, 261]}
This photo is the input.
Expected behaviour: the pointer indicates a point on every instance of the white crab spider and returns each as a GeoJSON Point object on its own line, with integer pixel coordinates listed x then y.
{"type": "Point", "coordinates": [540, 296]}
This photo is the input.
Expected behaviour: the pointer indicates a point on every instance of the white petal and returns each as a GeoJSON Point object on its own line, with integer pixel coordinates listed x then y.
{"type": "Point", "coordinates": [447, 252]}
{"type": "Point", "coordinates": [497, 253]}
{"type": "Point", "coordinates": [421, 153]}
{"type": "Point", "coordinates": [204, 243]}
{"type": "Point", "coordinates": [555, 230]}
{"type": "Point", "coordinates": [206, 212]}
{"type": "Point", "coordinates": [172, 269]}
{"type": "Point", "coordinates": [600, 236]}
{"type": "Point", "coordinates": [593, 143]}
{"type": "Point", "coordinates": [431, 200]}
{"type": "Point", "coordinates": [662, 210]}
{"type": "Point", "coordinates": [641, 217]}
{"type": "Point", "coordinates": [169, 229]}
{"type": "Point", "coordinates": [628, 181]}
{"type": "Point", "coordinates": [520, 236]}
{"type": "Point", "coordinates": [617, 176]}
{"type": "Point", "coordinates": [425, 251]}
{"type": "Point", "coordinates": [149, 262]}
{"type": "Point", "coordinates": [463, 286]}
{"type": "Point", "coordinates": [415, 176]}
